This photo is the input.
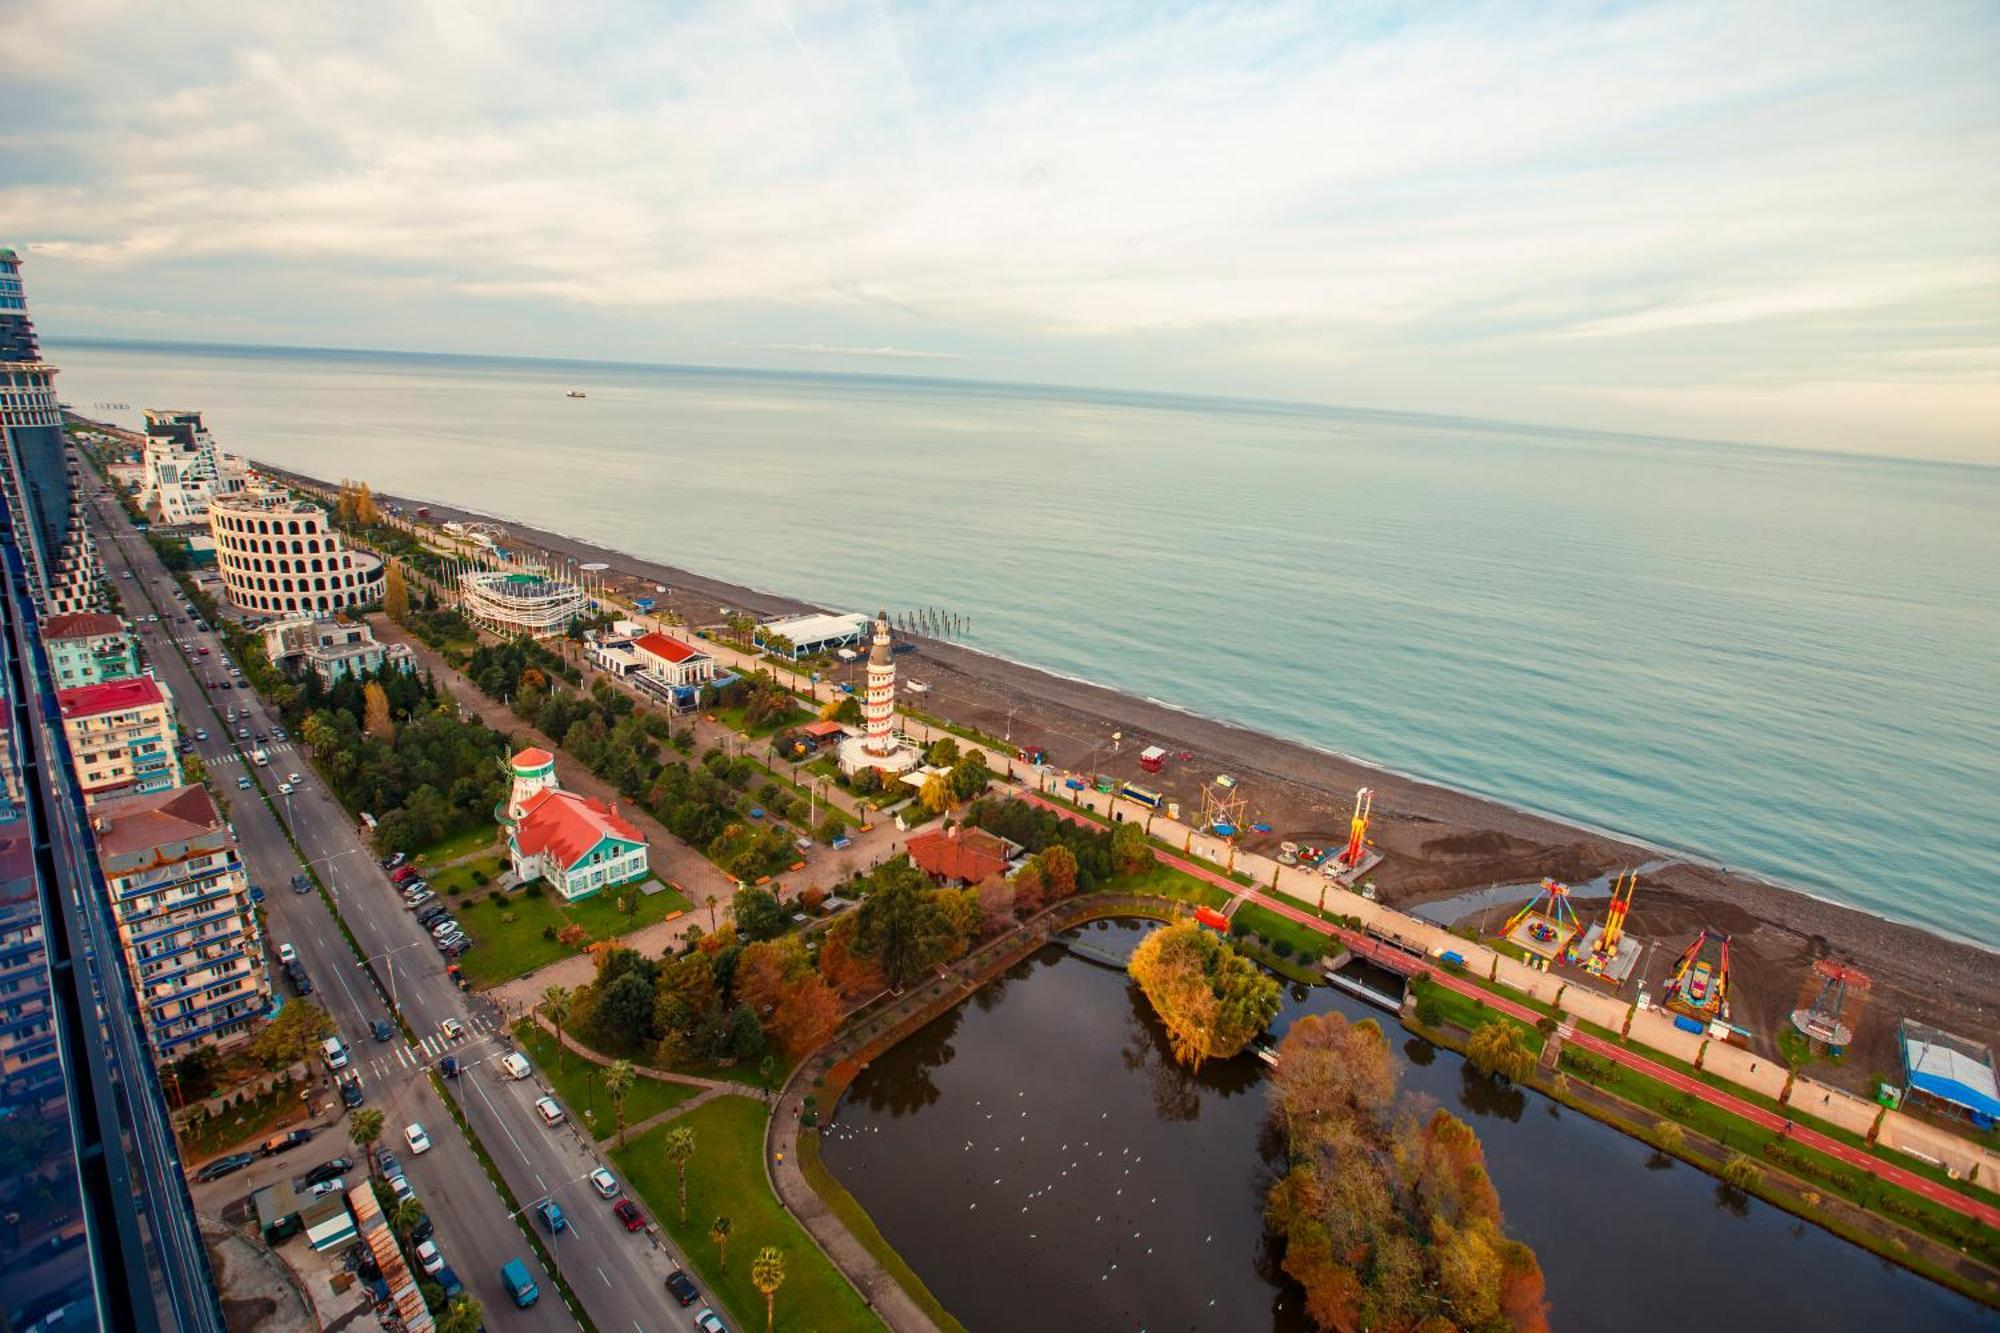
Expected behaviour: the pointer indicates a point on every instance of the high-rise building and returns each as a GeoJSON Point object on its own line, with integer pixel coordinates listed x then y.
{"type": "Point", "coordinates": [182, 470]}
{"type": "Point", "coordinates": [97, 1230]}
{"type": "Point", "coordinates": [182, 905]}
{"type": "Point", "coordinates": [122, 737]}
{"type": "Point", "coordinates": [89, 648]}
{"type": "Point", "coordinates": [37, 469]}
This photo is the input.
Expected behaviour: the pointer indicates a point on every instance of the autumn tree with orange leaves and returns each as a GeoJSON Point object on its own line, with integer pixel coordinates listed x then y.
{"type": "Point", "coordinates": [1388, 1218]}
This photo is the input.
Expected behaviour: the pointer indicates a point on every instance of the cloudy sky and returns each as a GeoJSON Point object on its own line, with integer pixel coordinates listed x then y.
{"type": "Point", "coordinates": [1746, 221]}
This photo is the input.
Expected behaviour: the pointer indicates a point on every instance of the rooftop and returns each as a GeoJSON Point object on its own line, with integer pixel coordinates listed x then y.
{"type": "Point", "coordinates": [1955, 1069]}
{"type": "Point", "coordinates": [667, 647]}
{"type": "Point", "coordinates": [81, 625]}
{"type": "Point", "coordinates": [567, 825]}
{"type": "Point", "coordinates": [816, 628]}
{"type": "Point", "coordinates": [532, 757]}
{"type": "Point", "coordinates": [131, 824]}
{"type": "Point", "coordinates": [111, 696]}
{"type": "Point", "coordinates": [969, 854]}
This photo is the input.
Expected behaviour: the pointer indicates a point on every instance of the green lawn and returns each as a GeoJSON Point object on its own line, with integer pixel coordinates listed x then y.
{"type": "Point", "coordinates": [733, 719]}
{"type": "Point", "coordinates": [255, 1119]}
{"type": "Point", "coordinates": [1166, 882]}
{"type": "Point", "coordinates": [727, 1178]}
{"type": "Point", "coordinates": [1305, 941]}
{"type": "Point", "coordinates": [458, 844]}
{"type": "Point", "coordinates": [506, 949]}
{"type": "Point", "coordinates": [580, 1084]}
{"type": "Point", "coordinates": [599, 913]}
{"type": "Point", "coordinates": [460, 877]}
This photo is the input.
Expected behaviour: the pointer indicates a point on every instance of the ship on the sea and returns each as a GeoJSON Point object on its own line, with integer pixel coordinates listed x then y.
{"type": "Point", "coordinates": [575, 393]}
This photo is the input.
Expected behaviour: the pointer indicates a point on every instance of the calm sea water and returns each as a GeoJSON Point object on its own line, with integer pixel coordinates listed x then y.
{"type": "Point", "coordinates": [1788, 663]}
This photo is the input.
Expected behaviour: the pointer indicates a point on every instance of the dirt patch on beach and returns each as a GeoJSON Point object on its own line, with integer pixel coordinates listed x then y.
{"type": "Point", "coordinates": [1438, 842]}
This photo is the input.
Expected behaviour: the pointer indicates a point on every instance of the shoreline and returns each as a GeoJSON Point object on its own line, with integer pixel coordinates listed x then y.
{"type": "Point", "coordinates": [1440, 841]}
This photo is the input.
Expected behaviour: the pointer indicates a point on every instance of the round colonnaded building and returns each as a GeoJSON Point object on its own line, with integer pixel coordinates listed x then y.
{"type": "Point", "coordinates": [280, 555]}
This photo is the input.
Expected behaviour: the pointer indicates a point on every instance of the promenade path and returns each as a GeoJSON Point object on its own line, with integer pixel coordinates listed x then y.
{"type": "Point", "coordinates": [1977, 1210]}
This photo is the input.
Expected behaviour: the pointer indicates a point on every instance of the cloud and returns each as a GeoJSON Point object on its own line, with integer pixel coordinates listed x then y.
{"type": "Point", "coordinates": [1478, 208]}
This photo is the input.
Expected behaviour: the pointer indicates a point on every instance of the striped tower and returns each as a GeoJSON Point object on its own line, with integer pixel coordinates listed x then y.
{"type": "Point", "coordinates": [878, 707]}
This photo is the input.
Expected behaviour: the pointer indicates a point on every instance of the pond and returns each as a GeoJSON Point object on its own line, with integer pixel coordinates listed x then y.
{"type": "Point", "coordinates": [1040, 1161]}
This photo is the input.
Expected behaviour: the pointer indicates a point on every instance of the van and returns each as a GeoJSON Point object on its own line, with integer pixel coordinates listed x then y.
{"type": "Point", "coordinates": [516, 1065]}
{"type": "Point", "coordinates": [334, 1053]}
{"type": "Point", "coordinates": [260, 758]}
{"type": "Point", "coordinates": [514, 1277]}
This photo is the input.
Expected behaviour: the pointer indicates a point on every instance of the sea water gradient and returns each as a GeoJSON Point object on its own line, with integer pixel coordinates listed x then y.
{"type": "Point", "coordinates": [1785, 662]}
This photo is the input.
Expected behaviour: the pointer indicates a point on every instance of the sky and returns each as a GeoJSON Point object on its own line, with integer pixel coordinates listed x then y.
{"type": "Point", "coordinates": [1768, 222]}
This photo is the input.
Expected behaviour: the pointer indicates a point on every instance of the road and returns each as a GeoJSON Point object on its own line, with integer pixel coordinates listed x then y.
{"type": "Point", "coordinates": [619, 1277]}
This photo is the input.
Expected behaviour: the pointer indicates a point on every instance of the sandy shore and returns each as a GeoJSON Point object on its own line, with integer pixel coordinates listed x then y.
{"type": "Point", "coordinates": [1439, 842]}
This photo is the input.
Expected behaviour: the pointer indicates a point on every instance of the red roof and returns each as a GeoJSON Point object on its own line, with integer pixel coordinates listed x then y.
{"type": "Point", "coordinates": [81, 625]}
{"type": "Point", "coordinates": [828, 728]}
{"type": "Point", "coordinates": [533, 757]}
{"type": "Point", "coordinates": [567, 825]}
{"type": "Point", "coordinates": [111, 696]}
{"type": "Point", "coordinates": [666, 648]}
{"type": "Point", "coordinates": [969, 854]}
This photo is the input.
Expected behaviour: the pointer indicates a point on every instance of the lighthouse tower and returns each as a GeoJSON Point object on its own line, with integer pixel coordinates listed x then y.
{"type": "Point", "coordinates": [878, 746]}
{"type": "Point", "coordinates": [533, 771]}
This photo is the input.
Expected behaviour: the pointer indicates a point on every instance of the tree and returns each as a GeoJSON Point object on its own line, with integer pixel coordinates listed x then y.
{"type": "Point", "coordinates": [901, 927]}
{"type": "Point", "coordinates": [556, 1002]}
{"type": "Point", "coordinates": [767, 1274]}
{"type": "Point", "coordinates": [1058, 866]}
{"type": "Point", "coordinates": [625, 1008]}
{"type": "Point", "coordinates": [409, 1213]}
{"type": "Point", "coordinates": [809, 1012]}
{"type": "Point", "coordinates": [365, 513]}
{"type": "Point", "coordinates": [396, 594]}
{"type": "Point", "coordinates": [679, 1149]}
{"type": "Point", "coordinates": [1498, 1047]}
{"type": "Point", "coordinates": [996, 905]}
{"type": "Point", "coordinates": [618, 1080]}
{"type": "Point", "coordinates": [1740, 1171]}
{"type": "Point", "coordinates": [193, 771]}
{"type": "Point", "coordinates": [1671, 1136]}
{"type": "Point", "coordinates": [196, 1074]}
{"type": "Point", "coordinates": [464, 1315]}
{"type": "Point", "coordinates": [294, 1035]}
{"type": "Point", "coordinates": [1129, 852]}
{"type": "Point", "coordinates": [718, 1231]}
{"type": "Point", "coordinates": [1211, 1000]}
{"type": "Point", "coordinates": [364, 1127]}
{"type": "Point", "coordinates": [759, 915]}
{"type": "Point", "coordinates": [377, 723]}
{"type": "Point", "coordinates": [936, 794]}
{"type": "Point", "coordinates": [1332, 1069]}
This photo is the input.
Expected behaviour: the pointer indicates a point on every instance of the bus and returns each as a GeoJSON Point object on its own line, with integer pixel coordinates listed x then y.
{"type": "Point", "coordinates": [1145, 796]}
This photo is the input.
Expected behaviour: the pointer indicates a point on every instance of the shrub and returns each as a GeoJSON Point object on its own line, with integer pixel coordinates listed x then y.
{"type": "Point", "coordinates": [480, 877]}
{"type": "Point", "coordinates": [549, 933]}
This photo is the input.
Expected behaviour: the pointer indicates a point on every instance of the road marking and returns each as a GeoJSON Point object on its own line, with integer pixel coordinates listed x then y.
{"type": "Point", "coordinates": [543, 1183]}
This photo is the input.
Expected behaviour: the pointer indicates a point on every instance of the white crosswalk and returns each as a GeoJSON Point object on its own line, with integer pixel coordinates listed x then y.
{"type": "Point", "coordinates": [428, 1050]}
{"type": "Point", "coordinates": [280, 747]}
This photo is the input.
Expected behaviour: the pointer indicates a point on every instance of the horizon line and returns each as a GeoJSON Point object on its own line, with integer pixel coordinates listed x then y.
{"type": "Point", "coordinates": [1046, 389]}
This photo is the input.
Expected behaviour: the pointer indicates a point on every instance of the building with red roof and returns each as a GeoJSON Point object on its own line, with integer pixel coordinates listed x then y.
{"type": "Point", "coordinates": [672, 661]}
{"type": "Point", "coordinates": [576, 843]}
{"type": "Point", "coordinates": [121, 736]}
{"type": "Point", "coordinates": [956, 857]}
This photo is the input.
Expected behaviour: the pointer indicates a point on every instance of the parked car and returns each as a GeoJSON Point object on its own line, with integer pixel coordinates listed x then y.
{"type": "Point", "coordinates": [326, 1187]}
{"type": "Point", "coordinates": [301, 983]}
{"type": "Point", "coordinates": [429, 1257]}
{"type": "Point", "coordinates": [327, 1170]}
{"type": "Point", "coordinates": [392, 862]}
{"type": "Point", "coordinates": [287, 954]}
{"type": "Point", "coordinates": [382, 1029]}
{"type": "Point", "coordinates": [628, 1212]}
{"type": "Point", "coordinates": [550, 1110]}
{"type": "Point", "coordinates": [420, 1142]}
{"type": "Point", "coordinates": [404, 874]}
{"type": "Point", "coordinates": [709, 1322]}
{"type": "Point", "coordinates": [604, 1183]}
{"type": "Point", "coordinates": [419, 900]}
{"type": "Point", "coordinates": [399, 1185]}
{"type": "Point", "coordinates": [386, 1163]}
{"type": "Point", "coordinates": [449, 1283]}
{"type": "Point", "coordinates": [225, 1166]}
{"type": "Point", "coordinates": [681, 1288]}
{"type": "Point", "coordinates": [271, 1147]}
{"type": "Point", "coordinates": [423, 1230]}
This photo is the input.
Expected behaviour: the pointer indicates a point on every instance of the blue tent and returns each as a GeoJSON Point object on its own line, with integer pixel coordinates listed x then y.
{"type": "Point", "coordinates": [1951, 1069]}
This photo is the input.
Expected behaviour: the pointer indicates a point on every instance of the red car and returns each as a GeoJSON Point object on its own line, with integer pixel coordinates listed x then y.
{"type": "Point", "coordinates": [628, 1212]}
{"type": "Point", "coordinates": [404, 875]}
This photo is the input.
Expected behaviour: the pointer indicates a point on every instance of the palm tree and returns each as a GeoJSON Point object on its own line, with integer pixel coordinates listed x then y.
{"type": "Point", "coordinates": [680, 1151]}
{"type": "Point", "coordinates": [405, 1219]}
{"type": "Point", "coordinates": [767, 1274]}
{"type": "Point", "coordinates": [618, 1080]}
{"type": "Point", "coordinates": [556, 1004]}
{"type": "Point", "coordinates": [364, 1127]}
{"type": "Point", "coordinates": [464, 1315]}
{"type": "Point", "coordinates": [718, 1231]}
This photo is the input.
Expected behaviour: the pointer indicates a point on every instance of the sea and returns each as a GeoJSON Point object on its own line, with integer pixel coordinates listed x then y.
{"type": "Point", "coordinates": [1781, 661]}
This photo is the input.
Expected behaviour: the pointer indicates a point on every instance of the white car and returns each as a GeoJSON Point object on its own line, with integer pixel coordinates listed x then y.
{"type": "Point", "coordinates": [420, 1142]}
{"type": "Point", "coordinates": [451, 1029]}
{"type": "Point", "coordinates": [327, 1187]}
{"type": "Point", "coordinates": [429, 1257]}
{"type": "Point", "coordinates": [550, 1111]}
{"type": "Point", "coordinates": [604, 1183]}
{"type": "Point", "coordinates": [708, 1322]}
{"type": "Point", "coordinates": [287, 954]}
{"type": "Point", "coordinates": [399, 1185]}
{"type": "Point", "coordinates": [284, 789]}
{"type": "Point", "coordinates": [295, 779]}
{"type": "Point", "coordinates": [516, 1065]}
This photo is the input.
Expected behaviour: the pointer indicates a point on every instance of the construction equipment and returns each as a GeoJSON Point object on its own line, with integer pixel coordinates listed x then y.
{"type": "Point", "coordinates": [1699, 984]}
{"type": "Point", "coordinates": [1838, 993]}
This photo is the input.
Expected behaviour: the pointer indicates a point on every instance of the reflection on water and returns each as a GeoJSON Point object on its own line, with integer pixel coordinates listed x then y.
{"type": "Point", "coordinates": [1041, 1161]}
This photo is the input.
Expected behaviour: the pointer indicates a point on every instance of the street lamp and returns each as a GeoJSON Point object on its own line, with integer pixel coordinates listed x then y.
{"type": "Point", "coordinates": [390, 958]}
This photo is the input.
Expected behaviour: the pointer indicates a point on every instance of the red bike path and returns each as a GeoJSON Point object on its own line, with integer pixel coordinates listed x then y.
{"type": "Point", "coordinates": [1404, 962]}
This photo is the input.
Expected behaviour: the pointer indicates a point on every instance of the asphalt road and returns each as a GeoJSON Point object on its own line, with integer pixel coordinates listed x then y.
{"type": "Point", "coordinates": [618, 1276]}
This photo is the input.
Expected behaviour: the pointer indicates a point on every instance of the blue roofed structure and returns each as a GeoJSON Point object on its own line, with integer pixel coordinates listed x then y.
{"type": "Point", "coordinates": [1955, 1074]}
